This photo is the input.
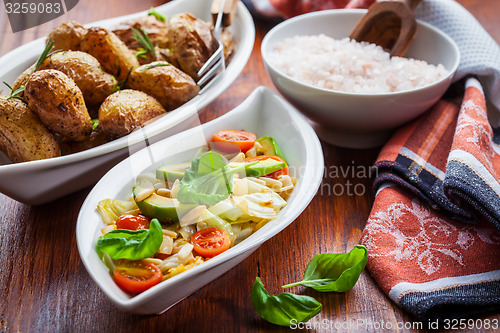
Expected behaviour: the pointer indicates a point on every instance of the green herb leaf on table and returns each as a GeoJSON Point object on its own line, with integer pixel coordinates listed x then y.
{"type": "Point", "coordinates": [208, 181]}
{"type": "Point", "coordinates": [159, 17]}
{"type": "Point", "coordinates": [283, 308]}
{"type": "Point", "coordinates": [336, 272]}
{"type": "Point", "coordinates": [132, 244]}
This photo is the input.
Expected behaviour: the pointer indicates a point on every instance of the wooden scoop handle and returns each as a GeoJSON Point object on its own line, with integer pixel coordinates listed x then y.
{"type": "Point", "coordinates": [412, 4]}
{"type": "Point", "coordinates": [228, 12]}
{"type": "Point", "coordinates": [390, 24]}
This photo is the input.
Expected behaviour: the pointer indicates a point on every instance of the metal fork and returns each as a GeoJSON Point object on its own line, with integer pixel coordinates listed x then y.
{"type": "Point", "coordinates": [216, 62]}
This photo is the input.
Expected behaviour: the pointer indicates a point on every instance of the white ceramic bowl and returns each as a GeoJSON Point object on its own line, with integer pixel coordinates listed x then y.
{"type": "Point", "coordinates": [264, 113]}
{"type": "Point", "coordinates": [42, 181]}
{"type": "Point", "coordinates": [359, 120]}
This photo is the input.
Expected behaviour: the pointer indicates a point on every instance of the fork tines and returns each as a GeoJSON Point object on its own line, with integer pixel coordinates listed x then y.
{"type": "Point", "coordinates": [216, 63]}
{"type": "Point", "coordinates": [211, 67]}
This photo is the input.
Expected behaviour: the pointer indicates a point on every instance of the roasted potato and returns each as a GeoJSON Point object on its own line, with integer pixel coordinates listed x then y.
{"type": "Point", "coordinates": [97, 138]}
{"type": "Point", "coordinates": [110, 51]}
{"type": "Point", "coordinates": [126, 110]}
{"type": "Point", "coordinates": [228, 44]}
{"type": "Point", "coordinates": [59, 104]}
{"type": "Point", "coordinates": [67, 36]}
{"type": "Point", "coordinates": [168, 56]}
{"type": "Point", "coordinates": [23, 78]}
{"type": "Point", "coordinates": [192, 42]}
{"type": "Point", "coordinates": [22, 136]}
{"type": "Point", "coordinates": [87, 73]}
{"type": "Point", "coordinates": [169, 85]}
{"type": "Point", "coordinates": [157, 31]}
{"type": "Point", "coordinates": [160, 55]}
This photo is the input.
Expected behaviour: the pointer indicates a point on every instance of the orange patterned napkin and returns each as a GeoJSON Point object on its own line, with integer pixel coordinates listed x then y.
{"type": "Point", "coordinates": [441, 169]}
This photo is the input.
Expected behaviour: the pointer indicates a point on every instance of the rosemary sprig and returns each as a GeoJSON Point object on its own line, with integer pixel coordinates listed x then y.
{"type": "Point", "coordinates": [45, 54]}
{"type": "Point", "coordinates": [119, 85]}
{"type": "Point", "coordinates": [95, 123]}
{"type": "Point", "coordinates": [159, 17]}
{"type": "Point", "coordinates": [141, 53]}
{"type": "Point", "coordinates": [149, 66]}
{"type": "Point", "coordinates": [19, 92]}
{"type": "Point", "coordinates": [15, 93]}
{"type": "Point", "coordinates": [142, 37]}
{"type": "Point", "coordinates": [115, 85]}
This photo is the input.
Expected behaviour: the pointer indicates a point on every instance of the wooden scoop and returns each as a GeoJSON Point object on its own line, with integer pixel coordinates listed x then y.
{"type": "Point", "coordinates": [390, 24]}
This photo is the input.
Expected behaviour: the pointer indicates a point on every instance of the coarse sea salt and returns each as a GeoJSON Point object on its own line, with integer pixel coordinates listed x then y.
{"type": "Point", "coordinates": [349, 66]}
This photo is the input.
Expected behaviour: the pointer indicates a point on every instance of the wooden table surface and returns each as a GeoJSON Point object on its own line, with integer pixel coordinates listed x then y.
{"type": "Point", "coordinates": [45, 287]}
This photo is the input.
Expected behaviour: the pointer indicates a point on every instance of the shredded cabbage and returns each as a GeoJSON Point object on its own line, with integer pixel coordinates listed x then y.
{"type": "Point", "coordinates": [111, 209]}
{"type": "Point", "coordinates": [227, 209]}
{"type": "Point", "coordinates": [246, 186]}
{"type": "Point", "coordinates": [255, 206]}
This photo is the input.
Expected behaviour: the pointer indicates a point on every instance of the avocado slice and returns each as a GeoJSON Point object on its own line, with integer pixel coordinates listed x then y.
{"type": "Point", "coordinates": [264, 168]}
{"type": "Point", "coordinates": [270, 146]}
{"type": "Point", "coordinates": [172, 172]}
{"type": "Point", "coordinates": [162, 208]}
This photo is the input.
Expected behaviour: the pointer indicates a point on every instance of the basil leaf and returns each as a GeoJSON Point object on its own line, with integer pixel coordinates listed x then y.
{"type": "Point", "coordinates": [337, 272]}
{"type": "Point", "coordinates": [208, 181]}
{"type": "Point", "coordinates": [209, 162]}
{"type": "Point", "coordinates": [283, 308]}
{"type": "Point", "coordinates": [132, 244]}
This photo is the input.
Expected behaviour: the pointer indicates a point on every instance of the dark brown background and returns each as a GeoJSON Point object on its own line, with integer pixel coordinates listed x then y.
{"type": "Point", "coordinates": [44, 286]}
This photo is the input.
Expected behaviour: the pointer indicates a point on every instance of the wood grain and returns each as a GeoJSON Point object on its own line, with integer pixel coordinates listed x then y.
{"type": "Point", "coordinates": [45, 288]}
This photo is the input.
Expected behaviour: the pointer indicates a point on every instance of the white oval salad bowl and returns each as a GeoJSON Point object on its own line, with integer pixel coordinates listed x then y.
{"type": "Point", "coordinates": [263, 113]}
{"type": "Point", "coordinates": [39, 182]}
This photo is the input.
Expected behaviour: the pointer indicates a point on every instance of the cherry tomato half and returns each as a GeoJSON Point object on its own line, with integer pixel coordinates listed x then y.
{"type": "Point", "coordinates": [275, 174]}
{"type": "Point", "coordinates": [210, 242]}
{"type": "Point", "coordinates": [136, 276]}
{"type": "Point", "coordinates": [228, 140]}
{"type": "Point", "coordinates": [132, 222]}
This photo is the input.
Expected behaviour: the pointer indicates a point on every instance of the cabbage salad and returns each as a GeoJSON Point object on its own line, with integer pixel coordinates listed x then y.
{"type": "Point", "coordinates": [190, 212]}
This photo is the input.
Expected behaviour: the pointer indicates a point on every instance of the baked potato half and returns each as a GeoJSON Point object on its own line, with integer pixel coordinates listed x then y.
{"type": "Point", "coordinates": [228, 44]}
{"type": "Point", "coordinates": [23, 78]}
{"type": "Point", "coordinates": [23, 137]}
{"type": "Point", "coordinates": [126, 110]}
{"type": "Point", "coordinates": [169, 85]}
{"type": "Point", "coordinates": [59, 104]}
{"type": "Point", "coordinates": [192, 42]}
{"type": "Point", "coordinates": [67, 36]}
{"type": "Point", "coordinates": [157, 31]}
{"type": "Point", "coordinates": [113, 55]}
{"type": "Point", "coordinates": [97, 138]}
{"type": "Point", "coordinates": [87, 73]}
